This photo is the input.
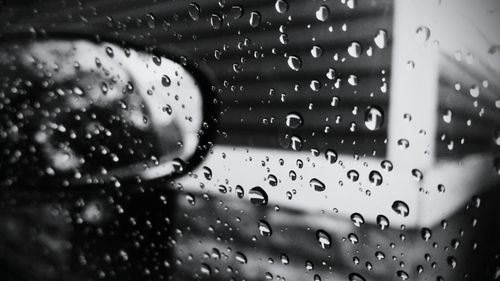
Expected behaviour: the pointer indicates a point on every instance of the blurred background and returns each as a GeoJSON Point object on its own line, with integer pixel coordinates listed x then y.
{"type": "Point", "coordinates": [354, 140]}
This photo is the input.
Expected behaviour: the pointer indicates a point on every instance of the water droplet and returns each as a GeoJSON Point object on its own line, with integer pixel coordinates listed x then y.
{"type": "Point", "coordinates": [293, 120]}
{"type": "Point", "coordinates": [258, 196]}
{"type": "Point", "coordinates": [417, 175]}
{"type": "Point", "coordinates": [110, 52]}
{"type": "Point", "coordinates": [190, 199]}
{"type": "Point", "coordinates": [351, 4]}
{"type": "Point", "coordinates": [294, 63]}
{"type": "Point", "coordinates": [386, 165]}
{"type": "Point", "coordinates": [317, 184]}
{"type": "Point", "coordinates": [322, 13]}
{"type": "Point", "coordinates": [239, 191]}
{"type": "Point", "coordinates": [356, 277]}
{"type": "Point", "coordinates": [474, 91]}
{"type": "Point", "coordinates": [402, 275]}
{"type": "Point", "coordinates": [315, 85]}
{"type": "Point", "coordinates": [330, 74]}
{"type": "Point", "coordinates": [316, 51]}
{"type": "Point", "coordinates": [236, 12]}
{"type": "Point", "coordinates": [375, 178]}
{"type": "Point", "coordinates": [296, 143]}
{"type": "Point", "coordinates": [331, 155]}
{"type": "Point", "coordinates": [354, 49]}
{"type": "Point", "coordinates": [281, 6]}
{"type": "Point", "coordinates": [353, 175]}
{"type": "Point", "coordinates": [194, 11]}
{"type": "Point", "coordinates": [353, 238]}
{"type": "Point", "coordinates": [423, 34]}
{"type": "Point", "coordinates": [403, 143]}
{"type": "Point", "coordinates": [374, 118]}
{"type": "Point", "coordinates": [381, 39]}
{"type": "Point", "coordinates": [357, 219]}
{"type": "Point", "coordinates": [265, 228]}
{"type": "Point", "coordinates": [215, 21]}
{"type": "Point", "coordinates": [452, 262]}
{"type": "Point", "coordinates": [241, 258]}
{"type": "Point", "coordinates": [324, 239]}
{"type": "Point", "coordinates": [207, 172]}
{"type": "Point", "coordinates": [284, 259]}
{"type": "Point", "coordinates": [383, 222]}
{"type": "Point", "coordinates": [254, 19]}
{"type": "Point", "coordinates": [401, 208]}
{"type": "Point", "coordinates": [272, 180]}
{"type": "Point", "coordinates": [426, 234]}
{"type": "Point", "coordinates": [379, 255]}
{"type": "Point", "coordinates": [205, 269]}
{"type": "Point", "coordinates": [165, 81]}
{"type": "Point", "coordinates": [447, 116]}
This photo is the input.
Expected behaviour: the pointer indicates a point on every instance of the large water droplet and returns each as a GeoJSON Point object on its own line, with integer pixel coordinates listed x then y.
{"type": "Point", "coordinates": [294, 62]}
{"type": "Point", "coordinates": [331, 155]}
{"type": "Point", "coordinates": [241, 258]}
{"type": "Point", "coordinates": [281, 6]}
{"type": "Point", "coordinates": [258, 196]}
{"type": "Point", "coordinates": [356, 277]}
{"type": "Point", "coordinates": [402, 275]}
{"type": "Point", "coordinates": [324, 239]}
{"type": "Point", "coordinates": [374, 118]}
{"type": "Point", "coordinates": [240, 192]}
{"type": "Point", "coordinates": [426, 234]}
{"type": "Point", "coordinates": [354, 49]}
{"type": "Point", "coordinates": [254, 19]}
{"type": "Point", "coordinates": [383, 222]}
{"type": "Point", "coordinates": [322, 13]}
{"type": "Point", "coordinates": [317, 184]}
{"type": "Point", "coordinates": [194, 11]}
{"type": "Point", "coordinates": [353, 175]}
{"type": "Point", "coordinates": [265, 228]}
{"type": "Point", "coordinates": [294, 120]}
{"type": "Point", "coordinates": [215, 21]}
{"type": "Point", "coordinates": [381, 39]}
{"type": "Point", "coordinates": [165, 81]}
{"type": "Point", "coordinates": [296, 143]}
{"type": "Point", "coordinates": [375, 178]}
{"type": "Point", "coordinates": [357, 219]}
{"type": "Point", "coordinates": [401, 208]}
{"type": "Point", "coordinates": [423, 34]}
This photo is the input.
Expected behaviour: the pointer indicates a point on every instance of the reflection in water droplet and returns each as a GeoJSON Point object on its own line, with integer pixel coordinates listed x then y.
{"type": "Point", "coordinates": [316, 51]}
{"type": "Point", "coordinates": [374, 118]}
{"type": "Point", "coordinates": [379, 255]}
{"type": "Point", "coordinates": [353, 238]}
{"type": "Point", "coordinates": [354, 49]}
{"type": "Point", "coordinates": [317, 184]}
{"type": "Point", "coordinates": [254, 19]}
{"type": "Point", "coordinates": [194, 11]}
{"type": "Point", "coordinates": [265, 228]}
{"type": "Point", "coordinates": [258, 196]}
{"type": "Point", "coordinates": [294, 63]}
{"type": "Point", "coordinates": [386, 165]}
{"type": "Point", "coordinates": [281, 6]}
{"type": "Point", "coordinates": [322, 13]}
{"type": "Point", "coordinates": [324, 239]}
{"type": "Point", "coordinates": [273, 181]}
{"type": "Point", "coordinates": [190, 199]}
{"type": "Point", "coordinates": [294, 120]}
{"type": "Point", "coordinates": [401, 208]}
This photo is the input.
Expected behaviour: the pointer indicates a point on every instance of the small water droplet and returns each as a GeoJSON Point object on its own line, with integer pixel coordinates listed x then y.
{"type": "Point", "coordinates": [356, 277]}
{"type": "Point", "coordinates": [331, 155]}
{"type": "Point", "coordinates": [294, 120]}
{"type": "Point", "coordinates": [194, 11]}
{"type": "Point", "coordinates": [374, 118]}
{"type": "Point", "coordinates": [375, 178]}
{"type": "Point", "coordinates": [426, 234]}
{"type": "Point", "coordinates": [207, 172]}
{"type": "Point", "coordinates": [165, 81]}
{"type": "Point", "coordinates": [357, 219]}
{"type": "Point", "coordinates": [354, 49]}
{"type": "Point", "coordinates": [383, 222]}
{"type": "Point", "coordinates": [381, 39]}
{"type": "Point", "coordinates": [265, 228]}
{"type": "Point", "coordinates": [241, 258]}
{"type": "Point", "coordinates": [423, 34]}
{"type": "Point", "coordinates": [215, 21]}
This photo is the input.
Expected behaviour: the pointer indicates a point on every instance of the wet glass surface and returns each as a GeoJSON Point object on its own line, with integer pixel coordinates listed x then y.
{"type": "Point", "coordinates": [249, 140]}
